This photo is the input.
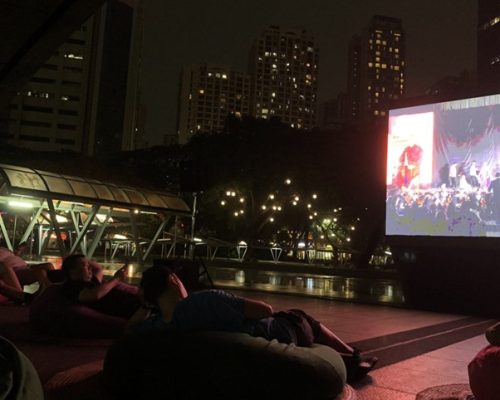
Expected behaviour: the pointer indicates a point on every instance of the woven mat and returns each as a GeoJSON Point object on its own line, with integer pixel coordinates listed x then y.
{"type": "Point", "coordinates": [456, 391]}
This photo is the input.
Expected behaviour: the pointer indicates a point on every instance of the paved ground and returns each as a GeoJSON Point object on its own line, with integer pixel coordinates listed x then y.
{"type": "Point", "coordinates": [422, 349]}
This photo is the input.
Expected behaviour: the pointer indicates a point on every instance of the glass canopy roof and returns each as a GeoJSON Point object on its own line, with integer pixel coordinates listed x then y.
{"type": "Point", "coordinates": [23, 181]}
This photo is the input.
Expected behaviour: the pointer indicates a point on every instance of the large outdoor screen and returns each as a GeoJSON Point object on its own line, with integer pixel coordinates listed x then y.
{"type": "Point", "coordinates": [443, 169]}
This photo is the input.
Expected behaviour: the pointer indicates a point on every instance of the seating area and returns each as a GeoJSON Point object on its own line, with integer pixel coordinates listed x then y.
{"type": "Point", "coordinates": [443, 346]}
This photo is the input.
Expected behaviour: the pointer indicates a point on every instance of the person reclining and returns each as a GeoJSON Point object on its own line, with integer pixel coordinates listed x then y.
{"type": "Point", "coordinates": [85, 284]}
{"type": "Point", "coordinates": [220, 310]}
{"type": "Point", "coordinates": [15, 273]}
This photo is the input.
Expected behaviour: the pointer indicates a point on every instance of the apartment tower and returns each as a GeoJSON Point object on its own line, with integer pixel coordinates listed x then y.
{"type": "Point", "coordinates": [283, 65]}
{"type": "Point", "coordinates": [488, 45]}
{"type": "Point", "coordinates": [376, 74]}
{"type": "Point", "coordinates": [208, 94]}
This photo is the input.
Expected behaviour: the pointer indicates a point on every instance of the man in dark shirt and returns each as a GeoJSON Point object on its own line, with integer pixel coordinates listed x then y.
{"type": "Point", "coordinates": [85, 284]}
{"type": "Point", "coordinates": [219, 310]}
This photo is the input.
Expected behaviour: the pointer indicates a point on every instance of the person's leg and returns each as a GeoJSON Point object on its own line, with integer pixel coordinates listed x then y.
{"type": "Point", "coordinates": [9, 284]}
{"type": "Point", "coordinates": [43, 266]}
{"type": "Point", "coordinates": [357, 366]}
{"type": "Point", "coordinates": [28, 276]}
{"type": "Point", "coordinates": [328, 338]}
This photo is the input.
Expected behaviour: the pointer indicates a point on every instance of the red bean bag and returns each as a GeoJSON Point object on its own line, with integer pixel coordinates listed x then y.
{"type": "Point", "coordinates": [54, 314]}
{"type": "Point", "coordinates": [484, 374]}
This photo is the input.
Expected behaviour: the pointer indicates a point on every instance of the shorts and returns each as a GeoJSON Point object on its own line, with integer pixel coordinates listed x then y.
{"type": "Point", "coordinates": [291, 326]}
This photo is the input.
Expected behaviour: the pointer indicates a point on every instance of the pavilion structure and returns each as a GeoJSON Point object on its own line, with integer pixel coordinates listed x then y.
{"type": "Point", "coordinates": [80, 214]}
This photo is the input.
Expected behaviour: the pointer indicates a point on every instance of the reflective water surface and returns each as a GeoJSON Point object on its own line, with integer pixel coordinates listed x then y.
{"type": "Point", "coordinates": [336, 287]}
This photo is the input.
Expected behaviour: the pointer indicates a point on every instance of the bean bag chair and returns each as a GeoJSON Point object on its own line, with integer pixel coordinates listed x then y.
{"type": "Point", "coordinates": [484, 373]}
{"type": "Point", "coordinates": [18, 378]}
{"type": "Point", "coordinates": [219, 365]}
{"type": "Point", "coordinates": [54, 314]}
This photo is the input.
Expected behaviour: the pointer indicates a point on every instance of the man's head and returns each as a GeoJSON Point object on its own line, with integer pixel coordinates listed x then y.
{"type": "Point", "coordinates": [159, 281]}
{"type": "Point", "coordinates": [77, 268]}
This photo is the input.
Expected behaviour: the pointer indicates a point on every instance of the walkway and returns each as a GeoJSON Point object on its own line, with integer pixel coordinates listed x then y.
{"type": "Point", "coordinates": [417, 349]}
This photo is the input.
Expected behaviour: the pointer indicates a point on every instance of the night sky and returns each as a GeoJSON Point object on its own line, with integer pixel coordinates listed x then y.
{"type": "Point", "coordinates": [440, 41]}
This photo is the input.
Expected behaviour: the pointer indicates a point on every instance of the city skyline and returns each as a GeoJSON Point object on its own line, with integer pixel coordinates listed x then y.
{"type": "Point", "coordinates": [441, 41]}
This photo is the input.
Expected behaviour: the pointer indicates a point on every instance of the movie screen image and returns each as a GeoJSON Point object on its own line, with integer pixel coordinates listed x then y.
{"type": "Point", "coordinates": [443, 169]}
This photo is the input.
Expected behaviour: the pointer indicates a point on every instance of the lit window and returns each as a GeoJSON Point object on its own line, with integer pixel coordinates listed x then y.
{"type": "Point", "coordinates": [202, 91]}
{"type": "Point", "coordinates": [224, 76]}
{"type": "Point", "coordinates": [265, 111]}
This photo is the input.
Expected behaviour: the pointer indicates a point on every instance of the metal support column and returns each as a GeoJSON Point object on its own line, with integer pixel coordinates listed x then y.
{"type": "Point", "coordinates": [159, 231]}
{"type": "Point", "coordinates": [98, 234]}
{"type": "Point", "coordinates": [85, 228]}
{"type": "Point", "coordinates": [5, 234]}
{"type": "Point", "coordinates": [55, 224]}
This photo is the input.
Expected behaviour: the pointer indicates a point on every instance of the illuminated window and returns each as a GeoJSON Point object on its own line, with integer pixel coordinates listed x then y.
{"type": "Point", "coordinates": [224, 76]}
{"type": "Point", "coordinates": [202, 91]}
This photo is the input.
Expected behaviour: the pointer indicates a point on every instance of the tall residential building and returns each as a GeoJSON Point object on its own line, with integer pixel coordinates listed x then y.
{"type": "Point", "coordinates": [208, 93]}
{"type": "Point", "coordinates": [488, 45]}
{"type": "Point", "coordinates": [354, 78]}
{"type": "Point", "coordinates": [76, 100]}
{"type": "Point", "coordinates": [283, 65]}
{"type": "Point", "coordinates": [333, 113]}
{"type": "Point", "coordinates": [379, 56]}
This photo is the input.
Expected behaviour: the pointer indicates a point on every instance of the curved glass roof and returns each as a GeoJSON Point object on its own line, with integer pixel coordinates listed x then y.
{"type": "Point", "coordinates": [36, 183]}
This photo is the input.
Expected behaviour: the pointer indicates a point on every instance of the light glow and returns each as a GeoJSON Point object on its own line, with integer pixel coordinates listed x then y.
{"type": "Point", "coordinates": [20, 204]}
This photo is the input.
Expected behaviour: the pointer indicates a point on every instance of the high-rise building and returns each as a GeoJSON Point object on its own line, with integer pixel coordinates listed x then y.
{"type": "Point", "coordinates": [333, 113]}
{"type": "Point", "coordinates": [354, 78]}
{"type": "Point", "coordinates": [208, 93]}
{"type": "Point", "coordinates": [283, 65]}
{"type": "Point", "coordinates": [76, 99]}
{"type": "Point", "coordinates": [379, 58]}
{"type": "Point", "coordinates": [488, 45]}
